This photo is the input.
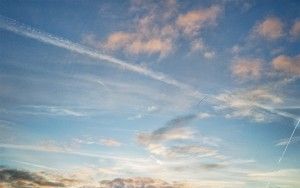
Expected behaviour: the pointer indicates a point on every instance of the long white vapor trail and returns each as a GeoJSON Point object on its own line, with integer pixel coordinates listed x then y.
{"type": "Point", "coordinates": [285, 149]}
{"type": "Point", "coordinates": [287, 145]}
{"type": "Point", "coordinates": [27, 31]}
{"type": "Point", "coordinates": [34, 165]}
{"type": "Point", "coordinates": [71, 152]}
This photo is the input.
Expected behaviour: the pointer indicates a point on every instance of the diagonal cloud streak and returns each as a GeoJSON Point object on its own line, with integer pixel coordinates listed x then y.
{"type": "Point", "coordinates": [288, 143]}
{"type": "Point", "coordinates": [27, 31]}
{"type": "Point", "coordinates": [71, 152]}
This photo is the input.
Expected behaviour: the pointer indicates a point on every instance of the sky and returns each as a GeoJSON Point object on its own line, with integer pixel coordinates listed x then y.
{"type": "Point", "coordinates": [180, 94]}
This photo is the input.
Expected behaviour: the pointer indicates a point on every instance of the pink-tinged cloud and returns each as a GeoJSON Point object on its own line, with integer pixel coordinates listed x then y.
{"type": "Point", "coordinates": [271, 28]}
{"type": "Point", "coordinates": [192, 22]}
{"type": "Point", "coordinates": [287, 64]}
{"type": "Point", "coordinates": [295, 31]}
{"type": "Point", "coordinates": [247, 68]}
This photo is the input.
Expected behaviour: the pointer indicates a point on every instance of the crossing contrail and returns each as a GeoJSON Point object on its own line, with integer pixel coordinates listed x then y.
{"type": "Point", "coordinates": [285, 149]}
{"type": "Point", "coordinates": [27, 31]}
{"type": "Point", "coordinates": [287, 145]}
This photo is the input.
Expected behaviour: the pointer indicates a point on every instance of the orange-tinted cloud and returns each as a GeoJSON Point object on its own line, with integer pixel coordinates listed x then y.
{"type": "Point", "coordinates": [192, 22]}
{"type": "Point", "coordinates": [271, 28]}
{"type": "Point", "coordinates": [287, 64]}
{"type": "Point", "coordinates": [295, 31]}
{"type": "Point", "coordinates": [247, 68]}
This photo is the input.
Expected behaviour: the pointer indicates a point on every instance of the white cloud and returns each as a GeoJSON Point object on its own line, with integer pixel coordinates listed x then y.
{"type": "Point", "coordinates": [110, 142]}
{"type": "Point", "coordinates": [285, 141]}
{"type": "Point", "coordinates": [245, 103]}
{"type": "Point", "coordinates": [288, 178]}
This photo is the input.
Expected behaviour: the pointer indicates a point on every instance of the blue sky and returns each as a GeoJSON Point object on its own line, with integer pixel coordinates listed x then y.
{"type": "Point", "coordinates": [182, 93]}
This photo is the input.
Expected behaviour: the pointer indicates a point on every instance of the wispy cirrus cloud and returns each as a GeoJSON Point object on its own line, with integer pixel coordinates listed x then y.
{"type": "Point", "coordinates": [246, 103]}
{"type": "Point", "coordinates": [281, 178]}
{"type": "Point", "coordinates": [285, 141]}
{"type": "Point", "coordinates": [70, 151]}
{"type": "Point", "coordinates": [177, 129]}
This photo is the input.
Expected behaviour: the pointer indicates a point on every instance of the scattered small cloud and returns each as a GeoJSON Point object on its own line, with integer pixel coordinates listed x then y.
{"type": "Point", "coordinates": [270, 28]}
{"type": "Point", "coordinates": [287, 64]}
{"type": "Point", "coordinates": [110, 142]}
{"type": "Point", "coordinates": [199, 46]}
{"type": "Point", "coordinates": [194, 21]}
{"type": "Point", "coordinates": [295, 30]}
{"type": "Point", "coordinates": [243, 103]}
{"type": "Point", "coordinates": [244, 68]}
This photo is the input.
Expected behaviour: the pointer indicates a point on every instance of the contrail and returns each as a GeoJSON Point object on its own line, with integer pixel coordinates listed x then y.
{"type": "Point", "coordinates": [287, 145]}
{"type": "Point", "coordinates": [70, 152]}
{"type": "Point", "coordinates": [27, 31]}
{"type": "Point", "coordinates": [285, 149]}
{"type": "Point", "coordinates": [35, 165]}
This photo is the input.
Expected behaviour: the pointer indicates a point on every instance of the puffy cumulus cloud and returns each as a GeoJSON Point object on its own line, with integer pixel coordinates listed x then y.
{"type": "Point", "coordinates": [192, 22]}
{"type": "Point", "coordinates": [138, 183]}
{"type": "Point", "coordinates": [271, 28]}
{"type": "Point", "coordinates": [247, 68]}
{"type": "Point", "coordinates": [295, 30]}
{"type": "Point", "coordinates": [242, 104]}
{"type": "Point", "coordinates": [287, 64]}
{"type": "Point", "coordinates": [19, 178]}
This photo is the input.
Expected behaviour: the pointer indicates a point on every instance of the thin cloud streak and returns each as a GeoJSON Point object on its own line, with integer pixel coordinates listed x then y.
{"type": "Point", "coordinates": [27, 31]}
{"type": "Point", "coordinates": [85, 154]}
{"type": "Point", "coordinates": [35, 165]}
{"type": "Point", "coordinates": [287, 145]}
